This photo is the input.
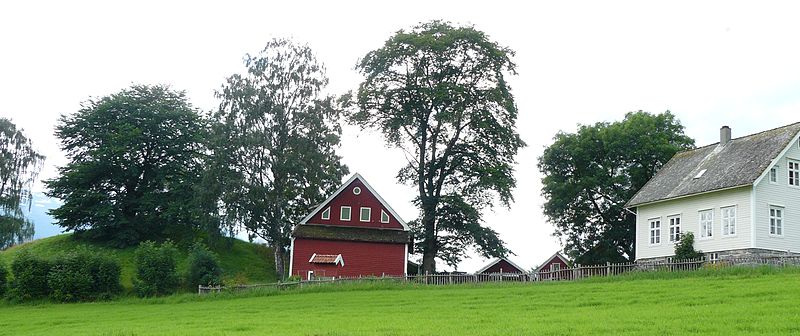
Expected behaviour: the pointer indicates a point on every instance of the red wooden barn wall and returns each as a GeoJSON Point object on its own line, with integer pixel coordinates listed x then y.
{"type": "Point", "coordinates": [360, 258]}
{"type": "Point", "coordinates": [504, 267]}
{"type": "Point", "coordinates": [365, 199]}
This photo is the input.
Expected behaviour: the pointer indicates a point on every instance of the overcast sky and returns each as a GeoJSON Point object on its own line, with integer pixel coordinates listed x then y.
{"type": "Point", "coordinates": [710, 63]}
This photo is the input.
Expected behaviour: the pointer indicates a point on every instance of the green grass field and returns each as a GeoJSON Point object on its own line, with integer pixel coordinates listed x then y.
{"type": "Point", "coordinates": [241, 260]}
{"type": "Point", "coordinates": [713, 302]}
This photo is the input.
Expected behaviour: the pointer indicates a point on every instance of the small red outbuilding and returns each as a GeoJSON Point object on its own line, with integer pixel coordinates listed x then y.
{"type": "Point", "coordinates": [555, 268]}
{"type": "Point", "coordinates": [353, 233]}
{"type": "Point", "coordinates": [501, 265]}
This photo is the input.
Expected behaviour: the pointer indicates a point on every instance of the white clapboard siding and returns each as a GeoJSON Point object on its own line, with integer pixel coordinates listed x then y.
{"type": "Point", "coordinates": [688, 208]}
{"type": "Point", "coordinates": [780, 194]}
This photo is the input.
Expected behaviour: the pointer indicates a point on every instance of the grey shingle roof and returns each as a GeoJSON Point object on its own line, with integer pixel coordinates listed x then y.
{"type": "Point", "coordinates": [738, 163]}
{"type": "Point", "coordinates": [351, 234]}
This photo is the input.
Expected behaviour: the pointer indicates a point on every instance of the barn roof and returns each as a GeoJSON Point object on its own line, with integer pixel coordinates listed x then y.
{"type": "Point", "coordinates": [351, 233]}
{"type": "Point", "coordinates": [494, 262]}
{"type": "Point", "coordinates": [342, 187]}
{"type": "Point", "coordinates": [739, 162]}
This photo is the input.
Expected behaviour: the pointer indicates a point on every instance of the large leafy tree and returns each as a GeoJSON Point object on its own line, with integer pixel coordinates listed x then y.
{"type": "Point", "coordinates": [439, 93]}
{"type": "Point", "coordinates": [19, 166]}
{"type": "Point", "coordinates": [591, 174]}
{"type": "Point", "coordinates": [275, 141]}
{"type": "Point", "coordinates": [134, 159]}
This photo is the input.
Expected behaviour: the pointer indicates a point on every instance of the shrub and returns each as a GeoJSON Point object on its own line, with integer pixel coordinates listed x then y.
{"type": "Point", "coordinates": [3, 278]}
{"type": "Point", "coordinates": [156, 273]}
{"type": "Point", "coordinates": [81, 276]}
{"type": "Point", "coordinates": [30, 276]}
{"type": "Point", "coordinates": [203, 267]}
{"type": "Point", "coordinates": [684, 249]}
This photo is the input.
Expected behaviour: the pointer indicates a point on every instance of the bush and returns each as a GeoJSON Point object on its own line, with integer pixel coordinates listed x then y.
{"type": "Point", "coordinates": [83, 276]}
{"type": "Point", "coordinates": [3, 278]}
{"type": "Point", "coordinates": [156, 273]}
{"type": "Point", "coordinates": [30, 276]}
{"type": "Point", "coordinates": [684, 249]}
{"type": "Point", "coordinates": [203, 267]}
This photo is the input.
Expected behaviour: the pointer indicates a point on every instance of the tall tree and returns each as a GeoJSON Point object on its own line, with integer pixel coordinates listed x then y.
{"type": "Point", "coordinates": [439, 93]}
{"type": "Point", "coordinates": [133, 163]}
{"type": "Point", "coordinates": [276, 136]}
{"type": "Point", "coordinates": [591, 174]}
{"type": "Point", "coordinates": [19, 166]}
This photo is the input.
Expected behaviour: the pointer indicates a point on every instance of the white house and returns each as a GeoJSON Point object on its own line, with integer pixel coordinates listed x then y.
{"type": "Point", "coordinates": [740, 197]}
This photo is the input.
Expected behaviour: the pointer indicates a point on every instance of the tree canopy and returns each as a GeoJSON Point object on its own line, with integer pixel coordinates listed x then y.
{"type": "Point", "coordinates": [19, 166]}
{"type": "Point", "coordinates": [590, 175]}
{"type": "Point", "coordinates": [275, 137]}
{"type": "Point", "coordinates": [134, 162]}
{"type": "Point", "coordinates": [439, 93]}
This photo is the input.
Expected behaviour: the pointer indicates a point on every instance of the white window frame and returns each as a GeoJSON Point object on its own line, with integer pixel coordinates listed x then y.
{"type": "Point", "coordinates": [707, 225]}
{"type": "Point", "coordinates": [773, 175]}
{"type": "Point", "coordinates": [728, 221]}
{"type": "Point", "coordinates": [384, 216]}
{"type": "Point", "coordinates": [655, 230]}
{"type": "Point", "coordinates": [357, 191]}
{"type": "Point", "coordinates": [674, 228]}
{"type": "Point", "coordinates": [361, 214]}
{"type": "Point", "coordinates": [713, 257]}
{"type": "Point", "coordinates": [776, 219]}
{"type": "Point", "coordinates": [326, 214]}
{"type": "Point", "coordinates": [794, 173]}
{"type": "Point", "coordinates": [349, 213]}
{"type": "Point", "coordinates": [555, 267]}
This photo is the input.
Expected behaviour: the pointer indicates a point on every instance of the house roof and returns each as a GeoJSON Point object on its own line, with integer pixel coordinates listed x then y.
{"type": "Point", "coordinates": [342, 187]}
{"type": "Point", "coordinates": [557, 255]}
{"type": "Point", "coordinates": [741, 162]}
{"type": "Point", "coordinates": [351, 233]}
{"type": "Point", "coordinates": [494, 262]}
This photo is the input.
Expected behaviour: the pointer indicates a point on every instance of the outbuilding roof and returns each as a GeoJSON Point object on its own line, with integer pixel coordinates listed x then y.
{"type": "Point", "coordinates": [350, 233]}
{"type": "Point", "coordinates": [739, 162]}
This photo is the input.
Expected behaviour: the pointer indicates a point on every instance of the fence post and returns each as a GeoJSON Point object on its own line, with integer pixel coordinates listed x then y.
{"type": "Point", "coordinates": [608, 268]}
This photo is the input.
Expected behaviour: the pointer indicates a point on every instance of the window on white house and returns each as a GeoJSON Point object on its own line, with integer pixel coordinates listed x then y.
{"type": "Point", "coordinates": [366, 213]}
{"type": "Point", "coordinates": [776, 220]}
{"type": "Point", "coordinates": [706, 223]}
{"type": "Point", "coordinates": [728, 221]}
{"type": "Point", "coordinates": [345, 213]}
{"type": "Point", "coordinates": [713, 256]}
{"type": "Point", "coordinates": [327, 213]}
{"type": "Point", "coordinates": [655, 231]}
{"type": "Point", "coordinates": [555, 267]}
{"type": "Point", "coordinates": [773, 175]}
{"type": "Point", "coordinates": [794, 173]}
{"type": "Point", "coordinates": [384, 216]}
{"type": "Point", "coordinates": [674, 228]}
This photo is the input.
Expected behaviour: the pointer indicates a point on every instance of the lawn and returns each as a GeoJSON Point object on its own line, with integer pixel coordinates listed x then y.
{"type": "Point", "coordinates": [760, 301]}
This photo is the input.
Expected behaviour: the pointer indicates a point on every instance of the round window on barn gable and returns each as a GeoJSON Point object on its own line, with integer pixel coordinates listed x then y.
{"type": "Point", "coordinates": [356, 190]}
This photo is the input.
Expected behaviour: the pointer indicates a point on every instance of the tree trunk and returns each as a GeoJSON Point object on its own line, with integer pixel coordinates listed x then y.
{"type": "Point", "coordinates": [279, 266]}
{"type": "Point", "coordinates": [429, 244]}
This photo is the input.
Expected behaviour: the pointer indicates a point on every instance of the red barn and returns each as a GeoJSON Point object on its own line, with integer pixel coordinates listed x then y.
{"type": "Point", "coordinates": [501, 265]}
{"type": "Point", "coordinates": [553, 268]}
{"type": "Point", "coordinates": [353, 233]}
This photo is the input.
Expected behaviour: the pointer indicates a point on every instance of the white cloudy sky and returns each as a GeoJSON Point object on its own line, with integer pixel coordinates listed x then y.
{"type": "Point", "coordinates": [711, 63]}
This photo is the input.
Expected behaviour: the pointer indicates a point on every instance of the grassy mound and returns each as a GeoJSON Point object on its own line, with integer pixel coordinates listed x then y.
{"type": "Point", "coordinates": [241, 261]}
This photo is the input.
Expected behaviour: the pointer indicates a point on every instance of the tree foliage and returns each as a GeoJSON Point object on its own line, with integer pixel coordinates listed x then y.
{"type": "Point", "coordinates": [591, 174]}
{"type": "Point", "coordinates": [275, 139]}
{"type": "Point", "coordinates": [19, 166]}
{"type": "Point", "coordinates": [203, 267]}
{"type": "Point", "coordinates": [439, 93]}
{"type": "Point", "coordinates": [684, 249]}
{"type": "Point", "coordinates": [133, 165]}
{"type": "Point", "coordinates": [156, 269]}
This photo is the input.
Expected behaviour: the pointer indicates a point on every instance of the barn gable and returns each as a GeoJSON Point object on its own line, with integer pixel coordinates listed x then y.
{"type": "Point", "coordinates": [556, 258]}
{"type": "Point", "coordinates": [357, 204]}
{"type": "Point", "coordinates": [501, 265]}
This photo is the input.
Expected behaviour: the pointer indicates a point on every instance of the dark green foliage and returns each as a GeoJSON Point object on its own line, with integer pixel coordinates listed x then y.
{"type": "Point", "coordinates": [591, 174]}
{"type": "Point", "coordinates": [684, 249]}
{"type": "Point", "coordinates": [203, 267]}
{"type": "Point", "coordinates": [30, 276]}
{"type": "Point", "coordinates": [19, 166]}
{"type": "Point", "coordinates": [274, 145]}
{"type": "Point", "coordinates": [134, 163]}
{"type": "Point", "coordinates": [3, 278]}
{"type": "Point", "coordinates": [83, 276]}
{"type": "Point", "coordinates": [439, 93]}
{"type": "Point", "coordinates": [156, 272]}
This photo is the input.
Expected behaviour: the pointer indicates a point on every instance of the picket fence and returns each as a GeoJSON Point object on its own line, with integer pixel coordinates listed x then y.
{"type": "Point", "coordinates": [566, 274]}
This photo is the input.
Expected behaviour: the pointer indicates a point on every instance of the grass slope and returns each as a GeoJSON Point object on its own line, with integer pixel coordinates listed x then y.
{"type": "Point", "coordinates": [725, 303]}
{"type": "Point", "coordinates": [243, 260]}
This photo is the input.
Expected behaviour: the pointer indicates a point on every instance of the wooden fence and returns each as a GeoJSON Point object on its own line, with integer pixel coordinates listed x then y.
{"type": "Point", "coordinates": [574, 273]}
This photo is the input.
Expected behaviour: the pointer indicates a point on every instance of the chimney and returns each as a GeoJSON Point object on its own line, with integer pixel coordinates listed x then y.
{"type": "Point", "coordinates": [724, 135]}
